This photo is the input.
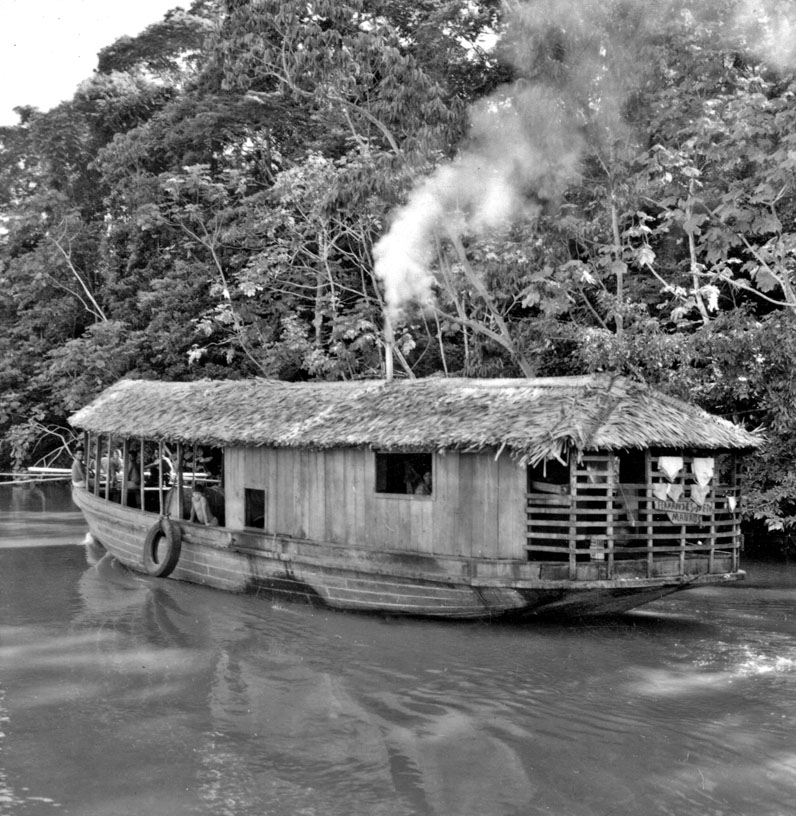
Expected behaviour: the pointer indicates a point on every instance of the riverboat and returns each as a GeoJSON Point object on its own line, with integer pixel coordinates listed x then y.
{"type": "Point", "coordinates": [438, 497]}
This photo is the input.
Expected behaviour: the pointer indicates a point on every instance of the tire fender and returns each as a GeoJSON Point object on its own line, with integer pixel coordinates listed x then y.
{"type": "Point", "coordinates": [162, 548]}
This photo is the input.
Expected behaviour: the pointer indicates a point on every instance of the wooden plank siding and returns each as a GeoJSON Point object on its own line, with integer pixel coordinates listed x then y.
{"type": "Point", "coordinates": [315, 505]}
{"type": "Point", "coordinates": [485, 523]}
{"type": "Point", "coordinates": [449, 498]}
{"type": "Point", "coordinates": [477, 507]}
{"type": "Point", "coordinates": [512, 518]}
{"type": "Point", "coordinates": [335, 509]}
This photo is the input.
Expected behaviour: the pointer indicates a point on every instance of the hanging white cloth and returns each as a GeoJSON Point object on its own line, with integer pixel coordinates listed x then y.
{"type": "Point", "coordinates": [703, 470]}
{"type": "Point", "coordinates": [675, 491]}
{"type": "Point", "coordinates": [731, 503]}
{"type": "Point", "coordinates": [698, 494]}
{"type": "Point", "coordinates": [660, 490]}
{"type": "Point", "coordinates": [670, 466]}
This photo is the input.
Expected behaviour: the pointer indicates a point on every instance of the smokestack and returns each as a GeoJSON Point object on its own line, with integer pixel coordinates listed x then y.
{"type": "Point", "coordinates": [389, 340]}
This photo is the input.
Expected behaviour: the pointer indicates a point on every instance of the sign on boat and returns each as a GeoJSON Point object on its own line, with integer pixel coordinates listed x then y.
{"type": "Point", "coordinates": [442, 497]}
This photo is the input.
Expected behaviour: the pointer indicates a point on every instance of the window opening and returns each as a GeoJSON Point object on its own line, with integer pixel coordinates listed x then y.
{"type": "Point", "coordinates": [546, 474]}
{"type": "Point", "coordinates": [404, 473]}
{"type": "Point", "coordinates": [254, 508]}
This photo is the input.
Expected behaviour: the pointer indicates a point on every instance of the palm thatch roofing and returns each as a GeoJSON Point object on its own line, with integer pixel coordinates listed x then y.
{"type": "Point", "coordinates": [533, 418]}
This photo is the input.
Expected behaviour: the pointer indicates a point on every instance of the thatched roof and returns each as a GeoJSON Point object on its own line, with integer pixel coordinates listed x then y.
{"type": "Point", "coordinates": [532, 418]}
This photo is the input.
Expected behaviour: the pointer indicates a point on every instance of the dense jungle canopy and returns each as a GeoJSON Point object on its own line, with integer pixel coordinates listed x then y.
{"type": "Point", "coordinates": [251, 187]}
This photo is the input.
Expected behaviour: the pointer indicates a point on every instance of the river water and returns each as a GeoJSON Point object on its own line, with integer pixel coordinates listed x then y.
{"type": "Point", "coordinates": [122, 695]}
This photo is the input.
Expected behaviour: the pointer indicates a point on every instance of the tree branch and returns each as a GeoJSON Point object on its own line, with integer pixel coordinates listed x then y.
{"type": "Point", "coordinates": [503, 336]}
{"type": "Point", "coordinates": [97, 310]}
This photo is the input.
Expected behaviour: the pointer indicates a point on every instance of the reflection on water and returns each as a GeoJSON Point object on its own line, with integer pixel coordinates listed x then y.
{"type": "Point", "coordinates": [121, 694]}
{"type": "Point", "coordinates": [33, 515]}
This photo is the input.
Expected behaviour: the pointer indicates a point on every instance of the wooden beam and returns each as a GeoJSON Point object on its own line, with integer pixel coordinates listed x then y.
{"type": "Point", "coordinates": [573, 517]}
{"type": "Point", "coordinates": [125, 462]}
{"type": "Point", "coordinates": [160, 477]}
{"type": "Point", "coordinates": [179, 480]}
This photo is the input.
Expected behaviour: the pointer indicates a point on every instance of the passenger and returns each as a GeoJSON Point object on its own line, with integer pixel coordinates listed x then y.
{"type": "Point", "coordinates": [166, 467]}
{"type": "Point", "coordinates": [132, 477]}
{"type": "Point", "coordinates": [200, 508]}
{"type": "Point", "coordinates": [114, 467]}
{"type": "Point", "coordinates": [411, 478]}
{"type": "Point", "coordinates": [203, 463]}
{"type": "Point", "coordinates": [424, 486]}
{"type": "Point", "coordinates": [169, 471]}
{"type": "Point", "coordinates": [78, 472]}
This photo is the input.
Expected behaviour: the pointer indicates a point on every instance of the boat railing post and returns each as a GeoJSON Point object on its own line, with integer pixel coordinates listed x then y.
{"type": "Point", "coordinates": [160, 477]}
{"type": "Point", "coordinates": [573, 516]}
{"type": "Point", "coordinates": [713, 529]}
{"type": "Point", "coordinates": [106, 468]}
{"type": "Point", "coordinates": [609, 515]}
{"type": "Point", "coordinates": [737, 537]}
{"type": "Point", "coordinates": [125, 465]}
{"type": "Point", "coordinates": [97, 464]}
{"type": "Point", "coordinates": [142, 468]}
{"type": "Point", "coordinates": [683, 530]}
{"type": "Point", "coordinates": [87, 443]}
{"type": "Point", "coordinates": [683, 542]}
{"type": "Point", "coordinates": [179, 479]}
{"type": "Point", "coordinates": [650, 514]}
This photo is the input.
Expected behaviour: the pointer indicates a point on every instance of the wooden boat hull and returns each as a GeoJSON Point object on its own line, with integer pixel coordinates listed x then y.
{"type": "Point", "coordinates": [349, 578]}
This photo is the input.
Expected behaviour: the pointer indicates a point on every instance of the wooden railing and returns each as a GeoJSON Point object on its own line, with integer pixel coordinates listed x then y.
{"type": "Point", "coordinates": [595, 518]}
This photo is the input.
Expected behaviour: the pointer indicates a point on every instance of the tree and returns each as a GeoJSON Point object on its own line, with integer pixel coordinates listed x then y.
{"type": "Point", "coordinates": [534, 188]}
{"type": "Point", "coordinates": [57, 253]}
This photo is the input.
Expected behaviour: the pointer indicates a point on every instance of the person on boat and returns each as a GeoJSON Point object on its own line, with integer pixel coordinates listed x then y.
{"type": "Point", "coordinates": [424, 485]}
{"type": "Point", "coordinates": [114, 467]}
{"type": "Point", "coordinates": [78, 472]}
{"type": "Point", "coordinates": [200, 508]}
{"type": "Point", "coordinates": [202, 463]}
{"type": "Point", "coordinates": [163, 466]}
{"type": "Point", "coordinates": [411, 478]}
{"type": "Point", "coordinates": [169, 471]}
{"type": "Point", "coordinates": [132, 477]}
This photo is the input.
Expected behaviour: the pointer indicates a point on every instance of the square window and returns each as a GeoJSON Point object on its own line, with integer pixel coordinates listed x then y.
{"type": "Point", "coordinates": [404, 473]}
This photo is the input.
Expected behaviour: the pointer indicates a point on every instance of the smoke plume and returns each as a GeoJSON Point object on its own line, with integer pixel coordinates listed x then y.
{"type": "Point", "coordinates": [520, 150]}
{"type": "Point", "coordinates": [768, 29]}
{"type": "Point", "coordinates": [524, 142]}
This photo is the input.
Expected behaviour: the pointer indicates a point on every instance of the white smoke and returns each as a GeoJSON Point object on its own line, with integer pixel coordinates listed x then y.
{"type": "Point", "coordinates": [524, 145]}
{"type": "Point", "coordinates": [768, 29]}
{"type": "Point", "coordinates": [520, 150]}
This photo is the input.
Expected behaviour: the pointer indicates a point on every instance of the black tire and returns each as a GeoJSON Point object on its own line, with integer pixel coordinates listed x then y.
{"type": "Point", "coordinates": [162, 548]}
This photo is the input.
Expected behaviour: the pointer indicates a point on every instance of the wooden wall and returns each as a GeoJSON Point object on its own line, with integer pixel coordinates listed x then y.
{"type": "Point", "coordinates": [477, 507]}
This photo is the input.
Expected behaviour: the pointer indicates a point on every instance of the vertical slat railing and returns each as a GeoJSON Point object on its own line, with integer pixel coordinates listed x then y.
{"type": "Point", "coordinates": [125, 465]}
{"type": "Point", "coordinates": [613, 463]}
{"type": "Point", "coordinates": [160, 477]}
{"type": "Point", "coordinates": [180, 489]}
{"type": "Point", "coordinates": [650, 524]}
{"type": "Point", "coordinates": [573, 518]}
{"type": "Point", "coordinates": [97, 464]}
{"type": "Point", "coordinates": [683, 530]}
